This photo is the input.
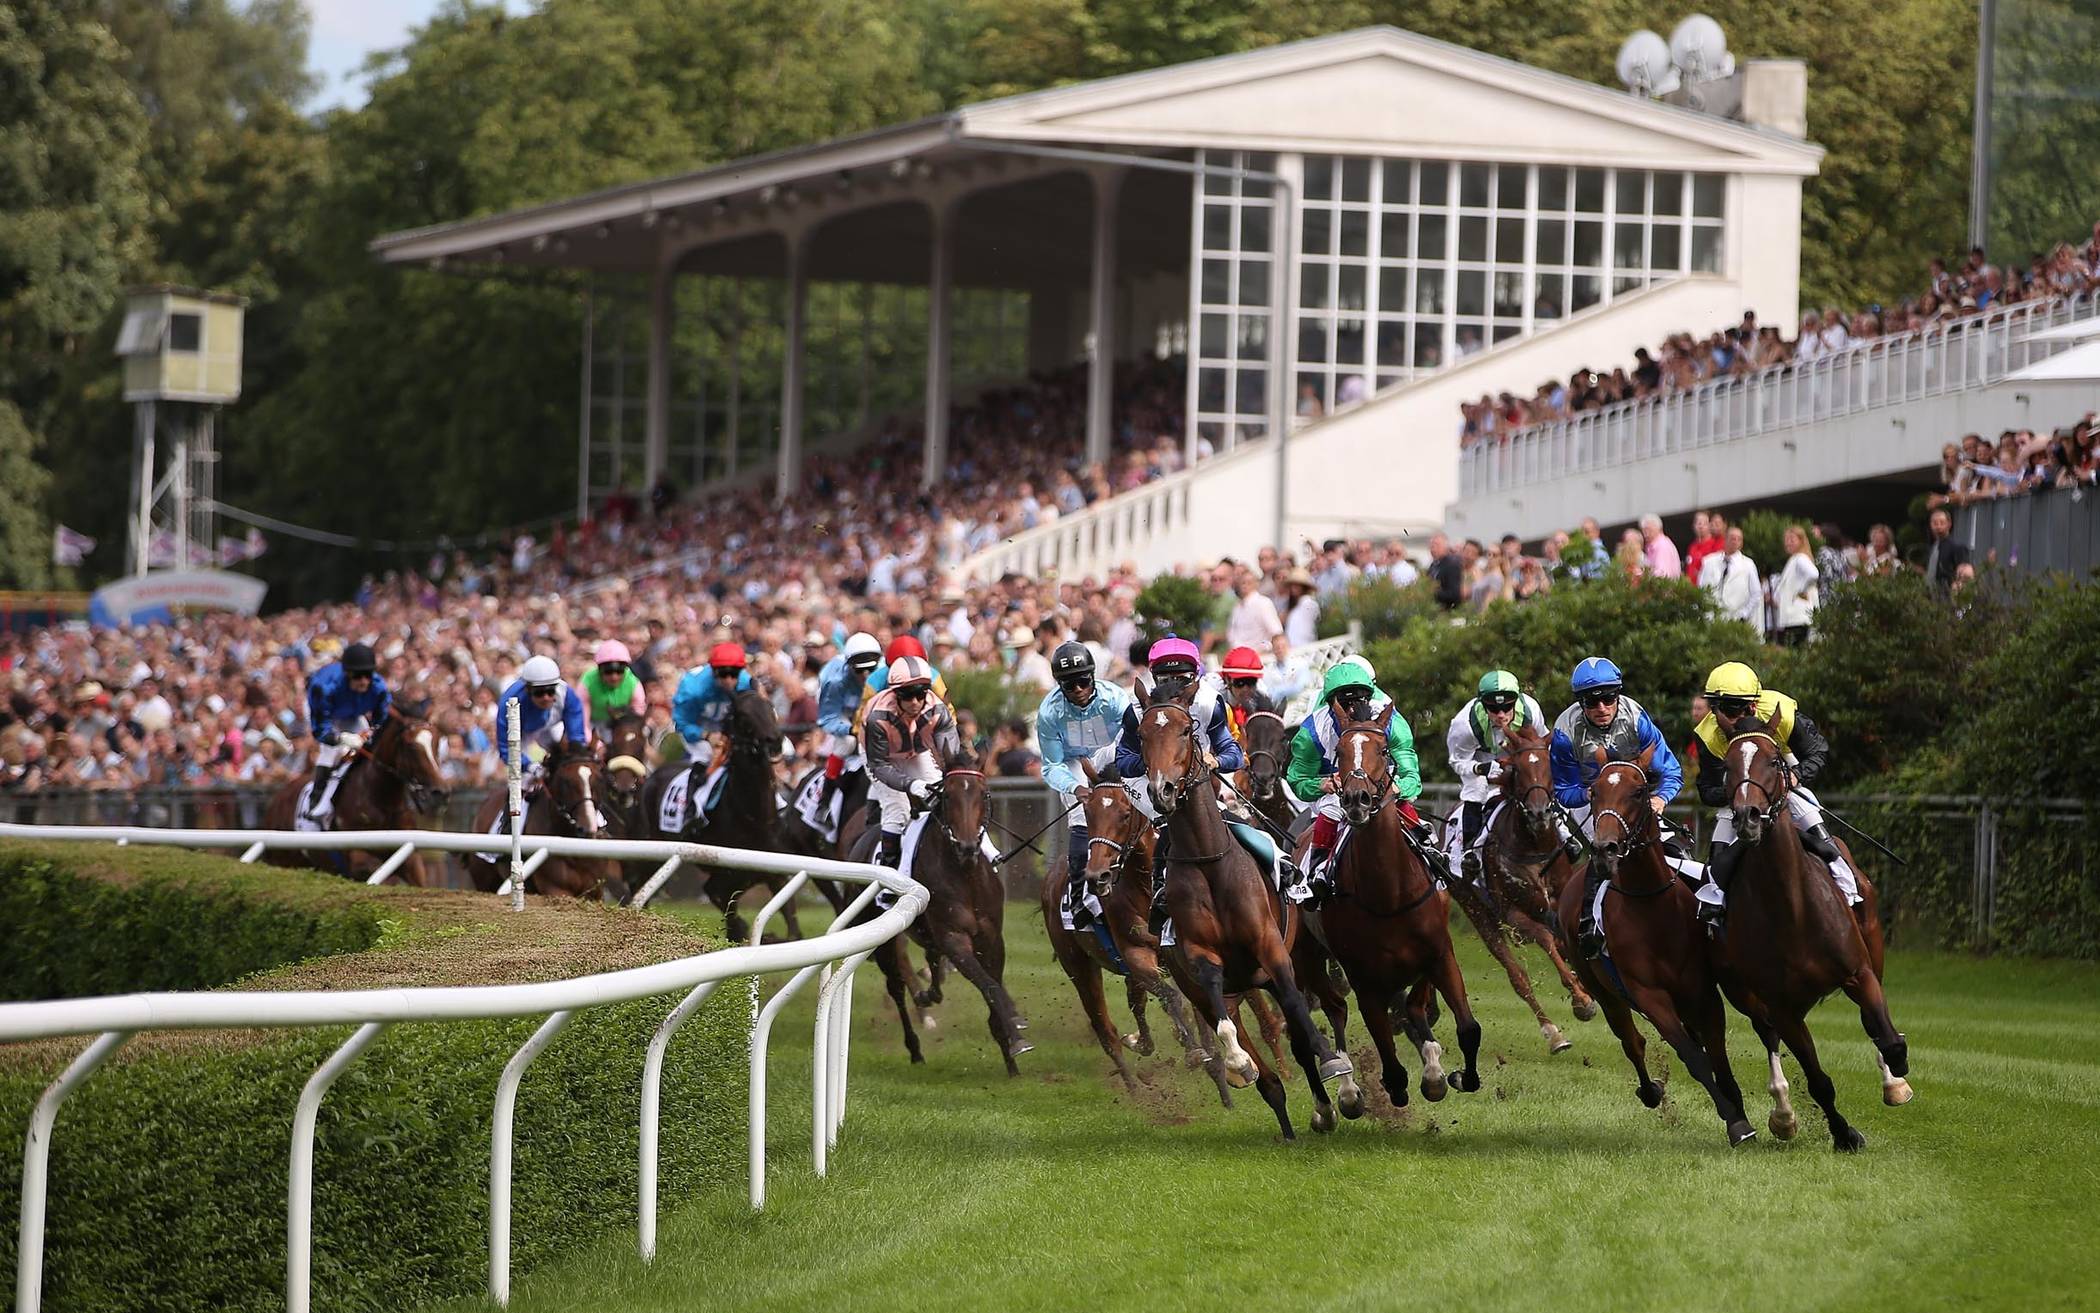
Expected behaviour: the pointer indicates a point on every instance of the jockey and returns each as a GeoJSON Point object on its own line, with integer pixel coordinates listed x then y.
{"type": "Point", "coordinates": [903, 645]}
{"type": "Point", "coordinates": [906, 735]}
{"type": "Point", "coordinates": [1079, 720]}
{"type": "Point", "coordinates": [705, 694]}
{"type": "Point", "coordinates": [1602, 717]}
{"type": "Point", "coordinates": [549, 713]}
{"type": "Point", "coordinates": [1739, 703]}
{"type": "Point", "coordinates": [1175, 664]}
{"type": "Point", "coordinates": [1475, 742]}
{"type": "Point", "coordinates": [1347, 695]}
{"type": "Point", "coordinates": [842, 685]}
{"type": "Point", "coordinates": [610, 686]}
{"type": "Point", "coordinates": [344, 701]}
{"type": "Point", "coordinates": [1239, 681]}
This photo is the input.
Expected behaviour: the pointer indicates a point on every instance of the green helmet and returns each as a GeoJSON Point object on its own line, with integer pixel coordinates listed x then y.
{"type": "Point", "coordinates": [1345, 675]}
{"type": "Point", "coordinates": [1359, 662]}
{"type": "Point", "coordinates": [1497, 681]}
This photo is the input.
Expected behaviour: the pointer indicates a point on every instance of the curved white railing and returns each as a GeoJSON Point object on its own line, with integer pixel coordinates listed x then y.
{"type": "Point", "coordinates": [1951, 357]}
{"type": "Point", "coordinates": [113, 1020]}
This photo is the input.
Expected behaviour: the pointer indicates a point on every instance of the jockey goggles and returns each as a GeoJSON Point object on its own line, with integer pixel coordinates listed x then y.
{"type": "Point", "coordinates": [1353, 700]}
{"type": "Point", "coordinates": [544, 690]}
{"type": "Point", "coordinates": [1499, 701]}
{"type": "Point", "coordinates": [1734, 706]}
{"type": "Point", "coordinates": [1077, 683]}
{"type": "Point", "coordinates": [1244, 681]}
{"type": "Point", "coordinates": [1600, 697]}
{"type": "Point", "coordinates": [612, 669]}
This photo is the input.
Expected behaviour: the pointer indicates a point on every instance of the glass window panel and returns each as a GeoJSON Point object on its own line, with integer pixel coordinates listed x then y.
{"type": "Point", "coordinates": [1392, 288]}
{"type": "Point", "coordinates": [1319, 177]}
{"type": "Point", "coordinates": [1429, 292]}
{"type": "Point", "coordinates": [1706, 250]}
{"type": "Point", "coordinates": [1434, 178]}
{"type": "Point", "coordinates": [1217, 282]}
{"type": "Point", "coordinates": [1211, 342]}
{"type": "Point", "coordinates": [1551, 300]}
{"type": "Point", "coordinates": [1470, 338]}
{"type": "Point", "coordinates": [1626, 247]}
{"type": "Point", "coordinates": [1664, 244]}
{"type": "Point", "coordinates": [1509, 240]}
{"type": "Point", "coordinates": [1504, 332]}
{"type": "Point", "coordinates": [1589, 191]}
{"type": "Point", "coordinates": [1473, 185]}
{"type": "Point", "coordinates": [1212, 432]}
{"type": "Point", "coordinates": [1472, 238]}
{"type": "Point", "coordinates": [1551, 245]}
{"type": "Point", "coordinates": [1589, 290]}
{"type": "Point", "coordinates": [1669, 193]}
{"type": "Point", "coordinates": [1392, 234]}
{"type": "Point", "coordinates": [1399, 182]}
{"type": "Point", "coordinates": [1260, 161]}
{"type": "Point", "coordinates": [1553, 187]}
{"type": "Point", "coordinates": [1314, 293]}
{"type": "Point", "coordinates": [1472, 292]}
{"type": "Point", "coordinates": [1509, 187]}
{"type": "Point", "coordinates": [1312, 395]}
{"type": "Point", "coordinates": [1210, 389]}
{"type": "Point", "coordinates": [1429, 346]}
{"type": "Point", "coordinates": [1390, 380]}
{"type": "Point", "coordinates": [1707, 191]}
{"type": "Point", "coordinates": [1319, 233]}
{"type": "Point", "coordinates": [1632, 191]}
{"type": "Point", "coordinates": [1254, 282]}
{"type": "Point", "coordinates": [1349, 287]}
{"type": "Point", "coordinates": [1216, 184]}
{"type": "Point", "coordinates": [1251, 391]}
{"type": "Point", "coordinates": [1254, 337]}
{"type": "Point", "coordinates": [1217, 227]}
{"type": "Point", "coordinates": [1509, 292]}
{"type": "Point", "coordinates": [1392, 342]}
{"type": "Point", "coordinates": [1627, 283]}
{"type": "Point", "coordinates": [1355, 232]}
{"type": "Point", "coordinates": [1254, 228]}
{"type": "Point", "coordinates": [1356, 180]}
{"type": "Point", "coordinates": [1431, 236]}
{"type": "Point", "coordinates": [1349, 342]}
{"type": "Point", "coordinates": [1589, 244]}
{"type": "Point", "coordinates": [1312, 338]}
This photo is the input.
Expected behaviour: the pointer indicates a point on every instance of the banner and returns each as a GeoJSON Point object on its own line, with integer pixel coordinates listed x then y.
{"type": "Point", "coordinates": [69, 547]}
{"type": "Point", "coordinates": [233, 551]}
{"type": "Point", "coordinates": [149, 597]}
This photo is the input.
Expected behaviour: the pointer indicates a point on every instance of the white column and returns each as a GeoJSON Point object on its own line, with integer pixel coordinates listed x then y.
{"type": "Point", "coordinates": [1100, 390]}
{"type": "Point", "coordinates": [933, 459]}
{"type": "Point", "coordinates": [656, 427]}
{"type": "Point", "coordinates": [788, 480]}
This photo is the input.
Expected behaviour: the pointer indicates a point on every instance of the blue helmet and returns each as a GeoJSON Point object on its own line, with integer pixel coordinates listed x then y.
{"type": "Point", "coordinates": [1595, 672]}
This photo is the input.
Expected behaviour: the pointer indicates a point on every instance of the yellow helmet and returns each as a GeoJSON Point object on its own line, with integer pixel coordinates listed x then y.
{"type": "Point", "coordinates": [1733, 679]}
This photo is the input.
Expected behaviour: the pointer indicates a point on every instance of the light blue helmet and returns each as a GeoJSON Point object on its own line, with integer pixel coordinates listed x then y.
{"type": "Point", "coordinates": [1595, 672]}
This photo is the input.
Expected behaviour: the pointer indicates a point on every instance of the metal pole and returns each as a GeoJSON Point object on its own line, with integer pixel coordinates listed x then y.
{"type": "Point", "coordinates": [1980, 131]}
{"type": "Point", "coordinates": [299, 1214]}
{"type": "Point", "coordinates": [142, 528]}
{"type": "Point", "coordinates": [36, 1168]}
{"type": "Point", "coordinates": [499, 1152]}
{"type": "Point", "coordinates": [1280, 410]}
{"type": "Point", "coordinates": [514, 728]}
{"type": "Point", "coordinates": [583, 420]}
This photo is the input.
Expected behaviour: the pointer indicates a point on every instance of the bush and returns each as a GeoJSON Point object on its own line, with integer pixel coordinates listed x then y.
{"type": "Point", "coordinates": [990, 696]}
{"type": "Point", "coordinates": [168, 1168]}
{"type": "Point", "coordinates": [1176, 604]}
{"type": "Point", "coordinates": [1383, 608]}
{"type": "Point", "coordinates": [1764, 538]}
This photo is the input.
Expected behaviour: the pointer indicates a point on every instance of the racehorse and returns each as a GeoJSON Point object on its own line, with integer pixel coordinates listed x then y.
{"type": "Point", "coordinates": [1523, 866]}
{"type": "Point", "coordinates": [747, 815]}
{"type": "Point", "coordinates": [1233, 932]}
{"type": "Point", "coordinates": [1791, 940]}
{"type": "Point", "coordinates": [568, 804]}
{"type": "Point", "coordinates": [1266, 741]}
{"type": "Point", "coordinates": [389, 781]}
{"type": "Point", "coordinates": [1656, 960]}
{"type": "Point", "coordinates": [1389, 925]}
{"type": "Point", "coordinates": [626, 742]}
{"type": "Point", "coordinates": [965, 916]}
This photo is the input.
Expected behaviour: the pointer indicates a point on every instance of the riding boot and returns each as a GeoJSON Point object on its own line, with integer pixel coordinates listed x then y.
{"type": "Point", "coordinates": [1589, 934]}
{"type": "Point", "coordinates": [1075, 878]}
{"type": "Point", "coordinates": [1317, 878]}
{"type": "Point", "coordinates": [1817, 839]}
{"type": "Point", "coordinates": [1571, 843]}
{"type": "Point", "coordinates": [1720, 868]}
{"type": "Point", "coordinates": [889, 850]}
{"type": "Point", "coordinates": [324, 794]}
{"type": "Point", "coordinates": [1469, 866]}
{"type": "Point", "coordinates": [1157, 921]}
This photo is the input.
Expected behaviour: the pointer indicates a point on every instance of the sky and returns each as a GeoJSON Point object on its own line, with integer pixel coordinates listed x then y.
{"type": "Point", "coordinates": [345, 31]}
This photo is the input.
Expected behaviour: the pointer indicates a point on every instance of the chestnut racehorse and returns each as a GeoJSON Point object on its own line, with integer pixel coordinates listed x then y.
{"type": "Point", "coordinates": [390, 780]}
{"type": "Point", "coordinates": [1656, 960]}
{"type": "Point", "coordinates": [1233, 932]}
{"type": "Point", "coordinates": [1791, 941]}
{"type": "Point", "coordinates": [570, 803]}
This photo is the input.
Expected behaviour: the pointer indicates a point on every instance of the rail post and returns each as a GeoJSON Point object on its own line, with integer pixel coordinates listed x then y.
{"type": "Point", "coordinates": [514, 730]}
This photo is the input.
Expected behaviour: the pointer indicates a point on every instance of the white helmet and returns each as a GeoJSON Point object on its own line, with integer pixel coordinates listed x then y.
{"type": "Point", "coordinates": [863, 650]}
{"type": "Point", "coordinates": [910, 672]}
{"type": "Point", "coordinates": [540, 671]}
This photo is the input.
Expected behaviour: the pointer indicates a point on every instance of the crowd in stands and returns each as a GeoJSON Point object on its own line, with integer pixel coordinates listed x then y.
{"type": "Point", "coordinates": [1687, 360]}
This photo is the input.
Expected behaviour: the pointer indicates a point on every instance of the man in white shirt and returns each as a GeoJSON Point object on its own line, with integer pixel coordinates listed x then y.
{"type": "Point", "coordinates": [1732, 578]}
{"type": "Point", "coordinates": [1254, 620]}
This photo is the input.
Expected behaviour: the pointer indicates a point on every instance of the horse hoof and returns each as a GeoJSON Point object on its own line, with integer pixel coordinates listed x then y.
{"type": "Point", "coordinates": [1240, 1078]}
{"type": "Point", "coordinates": [1897, 1093]}
{"type": "Point", "coordinates": [917, 1058]}
{"type": "Point", "coordinates": [1193, 1059]}
{"type": "Point", "coordinates": [1740, 1133]}
{"type": "Point", "coordinates": [1351, 1101]}
{"type": "Point", "coordinates": [1132, 1043]}
{"type": "Point", "coordinates": [926, 1022]}
{"type": "Point", "coordinates": [1555, 1041]}
{"type": "Point", "coordinates": [1848, 1140]}
{"type": "Point", "coordinates": [1651, 1094]}
{"type": "Point", "coordinates": [1018, 1047]}
{"type": "Point", "coordinates": [1020, 1022]}
{"type": "Point", "coordinates": [1585, 1010]}
{"type": "Point", "coordinates": [1323, 1120]}
{"type": "Point", "coordinates": [1337, 1067]}
{"type": "Point", "coordinates": [1782, 1125]}
{"type": "Point", "coordinates": [1466, 1082]}
{"type": "Point", "coordinates": [1435, 1090]}
{"type": "Point", "coordinates": [1898, 1057]}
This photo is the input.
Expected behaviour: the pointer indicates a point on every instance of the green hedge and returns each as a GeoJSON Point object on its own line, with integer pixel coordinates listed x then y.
{"type": "Point", "coordinates": [169, 1165]}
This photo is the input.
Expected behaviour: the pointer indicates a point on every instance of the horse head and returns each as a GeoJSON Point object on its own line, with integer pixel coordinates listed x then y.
{"type": "Point", "coordinates": [964, 805]}
{"type": "Point", "coordinates": [1266, 740]}
{"type": "Point", "coordinates": [1174, 764]}
{"type": "Point", "coordinates": [754, 728]}
{"type": "Point", "coordinates": [1527, 777]}
{"type": "Point", "coordinates": [626, 762]}
{"type": "Point", "coordinates": [1363, 772]}
{"type": "Point", "coordinates": [573, 788]}
{"type": "Point", "coordinates": [1622, 819]}
{"type": "Point", "coordinates": [1115, 828]}
{"type": "Point", "coordinates": [406, 748]}
{"type": "Point", "coordinates": [1757, 778]}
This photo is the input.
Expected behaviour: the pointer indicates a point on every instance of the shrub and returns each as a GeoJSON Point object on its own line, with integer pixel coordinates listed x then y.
{"type": "Point", "coordinates": [168, 1167]}
{"type": "Point", "coordinates": [1174, 603]}
{"type": "Point", "coordinates": [1764, 538]}
{"type": "Point", "coordinates": [1383, 608]}
{"type": "Point", "coordinates": [990, 696]}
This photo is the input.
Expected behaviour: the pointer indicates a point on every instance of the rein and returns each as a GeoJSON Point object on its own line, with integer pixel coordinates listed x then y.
{"type": "Point", "coordinates": [1774, 802]}
{"type": "Point", "coordinates": [418, 792]}
{"type": "Point", "coordinates": [1637, 839]}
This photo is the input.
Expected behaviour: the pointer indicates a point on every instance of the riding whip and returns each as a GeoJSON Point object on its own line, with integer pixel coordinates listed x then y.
{"type": "Point", "coordinates": [1029, 842]}
{"type": "Point", "coordinates": [1886, 850]}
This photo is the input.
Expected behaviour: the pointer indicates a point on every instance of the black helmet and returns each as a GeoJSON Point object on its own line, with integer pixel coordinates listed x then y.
{"type": "Point", "coordinates": [358, 660]}
{"type": "Point", "coordinates": [1071, 661]}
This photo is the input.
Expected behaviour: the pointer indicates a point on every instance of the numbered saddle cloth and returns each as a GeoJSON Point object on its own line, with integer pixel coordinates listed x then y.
{"type": "Point", "coordinates": [675, 809]}
{"type": "Point", "coordinates": [810, 796]}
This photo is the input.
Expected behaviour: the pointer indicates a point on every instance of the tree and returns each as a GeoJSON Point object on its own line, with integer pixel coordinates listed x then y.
{"type": "Point", "coordinates": [25, 531]}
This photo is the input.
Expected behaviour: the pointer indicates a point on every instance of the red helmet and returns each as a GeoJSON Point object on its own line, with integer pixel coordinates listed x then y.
{"type": "Point", "coordinates": [904, 645]}
{"type": "Point", "coordinates": [726, 656]}
{"type": "Point", "coordinates": [1242, 663]}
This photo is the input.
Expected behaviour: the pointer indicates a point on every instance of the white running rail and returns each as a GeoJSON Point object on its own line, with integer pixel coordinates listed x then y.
{"type": "Point", "coordinates": [115, 1019]}
{"type": "Point", "coordinates": [1886, 371]}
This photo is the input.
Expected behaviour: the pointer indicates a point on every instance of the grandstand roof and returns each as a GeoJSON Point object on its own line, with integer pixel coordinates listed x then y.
{"type": "Point", "coordinates": [1377, 90]}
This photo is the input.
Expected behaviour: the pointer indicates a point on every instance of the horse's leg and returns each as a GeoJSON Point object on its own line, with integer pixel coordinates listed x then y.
{"type": "Point", "coordinates": [1782, 1122]}
{"type": "Point", "coordinates": [1892, 1052]}
{"type": "Point", "coordinates": [1378, 1020]}
{"type": "Point", "coordinates": [1420, 1022]}
{"type": "Point", "coordinates": [936, 972]}
{"type": "Point", "coordinates": [1713, 1038]}
{"type": "Point", "coordinates": [1309, 1046]}
{"type": "Point", "coordinates": [1209, 977]}
{"type": "Point", "coordinates": [1134, 995]}
{"type": "Point", "coordinates": [1844, 1137]}
{"type": "Point", "coordinates": [890, 957]}
{"type": "Point", "coordinates": [1661, 1011]}
{"type": "Point", "coordinates": [999, 1014]}
{"type": "Point", "coordinates": [1202, 1025]}
{"type": "Point", "coordinates": [1315, 971]}
{"type": "Point", "coordinates": [1451, 983]}
{"type": "Point", "coordinates": [1620, 1018]}
{"type": "Point", "coordinates": [413, 873]}
{"type": "Point", "coordinates": [1269, 1023]}
{"type": "Point", "coordinates": [1505, 953]}
{"type": "Point", "coordinates": [1085, 975]}
{"type": "Point", "coordinates": [1538, 933]}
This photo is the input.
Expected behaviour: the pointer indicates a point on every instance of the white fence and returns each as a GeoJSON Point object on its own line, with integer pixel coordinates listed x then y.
{"type": "Point", "coordinates": [832, 958]}
{"type": "Point", "coordinates": [1953, 357]}
{"type": "Point", "coordinates": [1122, 526]}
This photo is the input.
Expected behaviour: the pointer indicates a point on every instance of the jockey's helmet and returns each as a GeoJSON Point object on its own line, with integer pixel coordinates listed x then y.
{"type": "Point", "coordinates": [1348, 686]}
{"type": "Point", "coordinates": [358, 660]}
{"type": "Point", "coordinates": [1498, 690]}
{"type": "Point", "coordinates": [1594, 674]}
{"type": "Point", "coordinates": [862, 652]}
{"type": "Point", "coordinates": [1242, 663]}
{"type": "Point", "coordinates": [1071, 663]}
{"type": "Point", "coordinates": [1733, 688]}
{"type": "Point", "coordinates": [909, 672]}
{"type": "Point", "coordinates": [540, 672]}
{"type": "Point", "coordinates": [727, 656]}
{"type": "Point", "coordinates": [904, 645]}
{"type": "Point", "coordinates": [612, 652]}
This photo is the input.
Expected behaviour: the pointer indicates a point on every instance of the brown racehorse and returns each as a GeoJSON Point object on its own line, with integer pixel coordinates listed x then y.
{"type": "Point", "coordinates": [391, 779]}
{"type": "Point", "coordinates": [1389, 925]}
{"type": "Point", "coordinates": [965, 917]}
{"type": "Point", "coordinates": [1791, 941]}
{"type": "Point", "coordinates": [570, 803]}
{"type": "Point", "coordinates": [1233, 932]}
{"type": "Point", "coordinates": [1657, 960]}
{"type": "Point", "coordinates": [746, 817]}
{"type": "Point", "coordinates": [1523, 864]}
{"type": "Point", "coordinates": [626, 744]}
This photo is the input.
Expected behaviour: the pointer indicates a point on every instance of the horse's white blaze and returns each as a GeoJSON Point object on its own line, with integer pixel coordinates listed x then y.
{"type": "Point", "coordinates": [425, 741]}
{"type": "Point", "coordinates": [591, 815]}
{"type": "Point", "coordinates": [1160, 718]}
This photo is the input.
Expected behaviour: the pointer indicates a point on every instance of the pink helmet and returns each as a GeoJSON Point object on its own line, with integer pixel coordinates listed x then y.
{"type": "Point", "coordinates": [612, 650]}
{"type": "Point", "coordinates": [1172, 648]}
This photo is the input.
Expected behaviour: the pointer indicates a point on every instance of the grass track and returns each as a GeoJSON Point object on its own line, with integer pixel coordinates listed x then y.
{"type": "Point", "coordinates": [955, 1187]}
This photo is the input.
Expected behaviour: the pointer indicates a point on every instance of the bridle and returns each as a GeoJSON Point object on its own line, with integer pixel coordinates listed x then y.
{"type": "Point", "coordinates": [1637, 837]}
{"type": "Point", "coordinates": [1263, 782]}
{"type": "Point", "coordinates": [1195, 774]}
{"type": "Point", "coordinates": [745, 739]}
{"type": "Point", "coordinates": [567, 810]}
{"type": "Point", "coordinates": [419, 793]}
{"type": "Point", "coordinates": [940, 812]}
{"type": "Point", "coordinates": [1775, 801]}
{"type": "Point", "coordinates": [1118, 849]}
{"type": "Point", "coordinates": [1383, 780]}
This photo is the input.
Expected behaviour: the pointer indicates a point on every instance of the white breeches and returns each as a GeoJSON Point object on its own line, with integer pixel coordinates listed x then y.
{"type": "Point", "coordinates": [1477, 788]}
{"type": "Point", "coordinates": [843, 745]}
{"type": "Point", "coordinates": [700, 751]}
{"type": "Point", "coordinates": [1800, 804]}
{"type": "Point", "coordinates": [329, 755]}
{"type": "Point", "coordinates": [1328, 806]}
{"type": "Point", "coordinates": [896, 803]}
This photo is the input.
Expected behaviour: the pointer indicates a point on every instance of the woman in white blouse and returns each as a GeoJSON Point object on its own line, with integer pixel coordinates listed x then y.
{"type": "Point", "coordinates": [1796, 589]}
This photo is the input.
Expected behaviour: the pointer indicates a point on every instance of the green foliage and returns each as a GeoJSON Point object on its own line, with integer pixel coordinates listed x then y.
{"type": "Point", "coordinates": [1764, 538]}
{"type": "Point", "coordinates": [1382, 607]}
{"type": "Point", "coordinates": [25, 528]}
{"type": "Point", "coordinates": [989, 696]}
{"type": "Point", "coordinates": [179, 1146]}
{"type": "Point", "coordinates": [1177, 604]}
{"type": "Point", "coordinates": [2033, 728]}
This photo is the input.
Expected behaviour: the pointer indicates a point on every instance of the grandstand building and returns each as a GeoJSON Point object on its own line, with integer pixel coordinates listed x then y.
{"type": "Point", "coordinates": [1344, 237]}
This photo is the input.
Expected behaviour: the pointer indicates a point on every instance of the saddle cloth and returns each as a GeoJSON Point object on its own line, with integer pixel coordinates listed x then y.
{"type": "Point", "coordinates": [302, 820]}
{"type": "Point", "coordinates": [806, 800]}
{"type": "Point", "coordinates": [672, 809]}
{"type": "Point", "coordinates": [1267, 859]}
{"type": "Point", "coordinates": [906, 851]}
